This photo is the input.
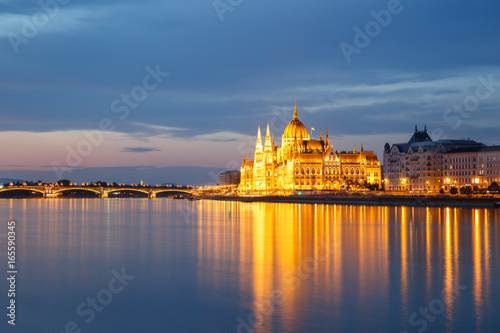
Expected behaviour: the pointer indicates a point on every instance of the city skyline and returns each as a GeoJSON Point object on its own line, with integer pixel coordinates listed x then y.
{"type": "Point", "coordinates": [180, 85]}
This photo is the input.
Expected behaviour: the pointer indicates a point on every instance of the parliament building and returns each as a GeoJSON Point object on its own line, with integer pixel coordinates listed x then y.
{"type": "Point", "coordinates": [303, 164]}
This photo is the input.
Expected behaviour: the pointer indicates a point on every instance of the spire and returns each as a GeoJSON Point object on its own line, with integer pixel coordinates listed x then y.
{"type": "Point", "coordinates": [361, 147]}
{"type": "Point", "coordinates": [425, 129]}
{"type": "Point", "coordinates": [320, 135]}
{"type": "Point", "coordinates": [295, 113]}
{"type": "Point", "coordinates": [327, 139]}
{"type": "Point", "coordinates": [268, 144]}
{"type": "Point", "coordinates": [273, 141]}
{"type": "Point", "coordinates": [258, 144]}
{"type": "Point", "coordinates": [415, 128]}
{"type": "Point", "coordinates": [355, 149]}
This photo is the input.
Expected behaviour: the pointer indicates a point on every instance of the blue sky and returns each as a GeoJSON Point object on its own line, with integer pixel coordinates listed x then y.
{"type": "Point", "coordinates": [432, 62]}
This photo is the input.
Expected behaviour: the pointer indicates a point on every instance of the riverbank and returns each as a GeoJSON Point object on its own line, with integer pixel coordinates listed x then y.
{"type": "Point", "coordinates": [370, 200]}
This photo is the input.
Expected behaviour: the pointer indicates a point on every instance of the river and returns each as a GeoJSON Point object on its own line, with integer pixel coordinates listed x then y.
{"type": "Point", "coordinates": [165, 265]}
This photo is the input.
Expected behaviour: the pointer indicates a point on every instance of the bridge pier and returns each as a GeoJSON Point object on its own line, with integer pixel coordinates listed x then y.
{"type": "Point", "coordinates": [151, 194]}
{"type": "Point", "coordinates": [47, 193]}
{"type": "Point", "coordinates": [103, 194]}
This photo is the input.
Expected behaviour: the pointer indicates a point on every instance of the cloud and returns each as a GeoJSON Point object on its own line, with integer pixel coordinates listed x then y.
{"type": "Point", "coordinates": [65, 21]}
{"type": "Point", "coordinates": [138, 150]}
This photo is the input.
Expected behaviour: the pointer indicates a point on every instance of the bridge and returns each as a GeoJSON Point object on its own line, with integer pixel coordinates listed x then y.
{"type": "Point", "coordinates": [53, 191]}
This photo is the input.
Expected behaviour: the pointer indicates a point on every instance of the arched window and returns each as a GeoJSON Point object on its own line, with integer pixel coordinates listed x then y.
{"type": "Point", "coordinates": [352, 171]}
{"type": "Point", "coordinates": [357, 171]}
{"type": "Point", "coordinates": [302, 171]}
{"type": "Point", "coordinates": [307, 171]}
{"type": "Point", "coordinates": [297, 170]}
{"type": "Point", "coordinates": [313, 171]}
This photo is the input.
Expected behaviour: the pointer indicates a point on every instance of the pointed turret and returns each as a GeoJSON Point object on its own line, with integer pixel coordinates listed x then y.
{"type": "Point", "coordinates": [268, 144]}
{"type": "Point", "coordinates": [258, 144]}
{"type": "Point", "coordinates": [425, 129]}
{"type": "Point", "coordinates": [416, 129]}
{"type": "Point", "coordinates": [258, 156]}
{"type": "Point", "coordinates": [361, 147]}
{"type": "Point", "coordinates": [355, 149]}
{"type": "Point", "coordinates": [295, 113]}
{"type": "Point", "coordinates": [320, 135]}
{"type": "Point", "coordinates": [327, 139]}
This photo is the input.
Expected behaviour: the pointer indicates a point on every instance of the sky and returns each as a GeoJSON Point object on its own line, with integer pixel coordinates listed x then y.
{"type": "Point", "coordinates": [129, 90]}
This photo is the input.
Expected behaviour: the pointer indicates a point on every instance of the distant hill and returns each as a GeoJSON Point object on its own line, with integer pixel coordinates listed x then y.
{"type": "Point", "coordinates": [10, 180]}
{"type": "Point", "coordinates": [185, 175]}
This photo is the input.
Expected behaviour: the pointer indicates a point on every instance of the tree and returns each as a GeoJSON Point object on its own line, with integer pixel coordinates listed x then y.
{"type": "Point", "coordinates": [465, 190]}
{"type": "Point", "coordinates": [494, 187]}
{"type": "Point", "coordinates": [64, 182]}
{"type": "Point", "coordinates": [453, 190]}
{"type": "Point", "coordinates": [441, 191]}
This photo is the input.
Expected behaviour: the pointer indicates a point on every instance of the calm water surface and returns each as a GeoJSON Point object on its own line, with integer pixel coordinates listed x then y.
{"type": "Point", "coordinates": [209, 266]}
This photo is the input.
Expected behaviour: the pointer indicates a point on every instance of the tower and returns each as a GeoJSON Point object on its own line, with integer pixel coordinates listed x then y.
{"type": "Point", "coordinates": [258, 147]}
{"type": "Point", "coordinates": [268, 144]}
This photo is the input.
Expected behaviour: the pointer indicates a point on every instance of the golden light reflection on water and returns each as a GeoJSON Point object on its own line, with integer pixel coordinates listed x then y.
{"type": "Point", "coordinates": [481, 262]}
{"type": "Point", "coordinates": [280, 256]}
{"type": "Point", "coordinates": [331, 251]}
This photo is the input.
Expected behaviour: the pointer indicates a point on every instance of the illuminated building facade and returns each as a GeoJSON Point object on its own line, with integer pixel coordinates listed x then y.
{"type": "Point", "coordinates": [422, 164]}
{"type": "Point", "coordinates": [477, 166]}
{"type": "Point", "coordinates": [304, 164]}
{"type": "Point", "coordinates": [228, 178]}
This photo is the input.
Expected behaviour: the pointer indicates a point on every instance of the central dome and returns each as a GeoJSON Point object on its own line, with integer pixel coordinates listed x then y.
{"type": "Point", "coordinates": [295, 128]}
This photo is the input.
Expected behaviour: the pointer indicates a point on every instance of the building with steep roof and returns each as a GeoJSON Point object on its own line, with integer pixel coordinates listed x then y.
{"type": "Point", "coordinates": [304, 164]}
{"type": "Point", "coordinates": [421, 164]}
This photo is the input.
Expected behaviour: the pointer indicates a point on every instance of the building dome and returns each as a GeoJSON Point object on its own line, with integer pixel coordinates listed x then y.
{"type": "Point", "coordinates": [295, 128]}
